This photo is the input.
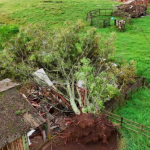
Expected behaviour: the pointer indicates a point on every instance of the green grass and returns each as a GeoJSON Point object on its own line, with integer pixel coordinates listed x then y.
{"type": "Point", "coordinates": [6, 31]}
{"type": "Point", "coordinates": [136, 109]}
{"type": "Point", "coordinates": [49, 14]}
{"type": "Point", "coordinates": [130, 45]}
{"type": "Point", "coordinates": [133, 44]}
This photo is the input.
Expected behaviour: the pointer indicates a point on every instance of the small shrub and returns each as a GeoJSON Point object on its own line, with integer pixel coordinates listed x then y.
{"type": "Point", "coordinates": [17, 112]}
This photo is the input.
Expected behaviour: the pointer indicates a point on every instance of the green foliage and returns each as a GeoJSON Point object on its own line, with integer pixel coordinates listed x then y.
{"type": "Point", "coordinates": [6, 31]}
{"type": "Point", "coordinates": [130, 45]}
{"type": "Point", "coordinates": [69, 54]}
{"type": "Point", "coordinates": [20, 52]}
{"type": "Point", "coordinates": [17, 112]}
{"type": "Point", "coordinates": [101, 87]}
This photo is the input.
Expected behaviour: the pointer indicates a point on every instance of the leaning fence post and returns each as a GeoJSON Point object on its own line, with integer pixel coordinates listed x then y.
{"type": "Point", "coordinates": [91, 22]}
{"type": "Point", "coordinates": [109, 22]}
{"type": "Point", "coordinates": [87, 17]}
{"type": "Point", "coordinates": [143, 82]}
{"type": "Point", "coordinates": [121, 122]}
{"type": "Point", "coordinates": [115, 22]}
{"type": "Point", "coordinates": [141, 128]}
{"type": "Point", "coordinates": [103, 23]}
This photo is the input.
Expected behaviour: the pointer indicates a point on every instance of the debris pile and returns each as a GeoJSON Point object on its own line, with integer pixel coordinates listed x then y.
{"type": "Point", "coordinates": [120, 24]}
{"type": "Point", "coordinates": [47, 102]}
{"type": "Point", "coordinates": [133, 9]}
{"type": "Point", "coordinates": [69, 129]}
{"type": "Point", "coordinates": [55, 108]}
{"type": "Point", "coordinates": [18, 117]}
{"type": "Point", "coordinates": [145, 2]}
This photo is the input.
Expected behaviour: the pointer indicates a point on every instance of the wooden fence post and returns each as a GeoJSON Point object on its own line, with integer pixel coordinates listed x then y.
{"type": "Point", "coordinates": [115, 22]}
{"type": "Point", "coordinates": [103, 23]}
{"type": "Point", "coordinates": [112, 12]}
{"type": "Point", "coordinates": [87, 17]}
{"type": "Point", "coordinates": [141, 128]}
{"type": "Point", "coordinates": [121, 122]}
{"type": "Point", "coordinates": [143, 82]}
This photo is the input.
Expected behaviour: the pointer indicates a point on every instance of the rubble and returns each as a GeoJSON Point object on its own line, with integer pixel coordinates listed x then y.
{"type": "Point", "coordinates": [121, 25]}
{"type": "Point", "coordinates": [41, 77]}
{"type": "Point", "coordinates": [132, 8]}
{"type": "Point", "coordinates": [29, 134]}
{"type": "Point", "coordinates": [7, 84]}
{"type": "Point", "coordinates": [64, 124]}
{"type": "Point", "coordinates": [53, 105]}
{"type": "Point", "coordinates": [18, 117]}
{"type": "Point", "coordinates": [137, 2]}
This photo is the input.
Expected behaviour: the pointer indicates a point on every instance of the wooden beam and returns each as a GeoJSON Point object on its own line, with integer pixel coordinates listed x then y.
{"type": "Point", "coordinates": [21, 143]}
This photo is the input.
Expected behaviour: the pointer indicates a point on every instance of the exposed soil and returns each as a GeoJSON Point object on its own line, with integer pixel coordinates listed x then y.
{"type": "Point", "coordinates": [86, 132]}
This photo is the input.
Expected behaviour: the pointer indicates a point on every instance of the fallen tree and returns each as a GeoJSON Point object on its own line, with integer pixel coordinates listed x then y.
{"type": "Point", "coordinates": [74, 58]}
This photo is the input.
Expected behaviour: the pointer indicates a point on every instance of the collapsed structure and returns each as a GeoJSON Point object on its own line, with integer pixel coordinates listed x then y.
{"type": "Point", "coordinates": [18, 117]}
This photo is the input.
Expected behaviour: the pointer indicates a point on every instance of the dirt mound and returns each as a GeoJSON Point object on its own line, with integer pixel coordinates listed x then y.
{"type": "Point", "coordinates": [86, 132]}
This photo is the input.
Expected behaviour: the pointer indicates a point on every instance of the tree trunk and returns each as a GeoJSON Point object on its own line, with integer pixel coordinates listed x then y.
{"type": "Point", "coordinates": [72, 100]}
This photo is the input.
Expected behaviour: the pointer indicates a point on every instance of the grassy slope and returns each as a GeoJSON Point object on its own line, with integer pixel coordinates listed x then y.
{"type": "Point", "coordinates": [138, 101]}
{"type": "Point", "coordinates": [134, 44]}
{"type": "Point", "coordinates": [50, 14]}
{"type": "Point", "coordinates": [131, 44]}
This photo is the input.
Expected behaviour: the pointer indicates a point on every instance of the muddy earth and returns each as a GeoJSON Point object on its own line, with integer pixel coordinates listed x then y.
{"type": "Point", "coordinates": [86, 132]}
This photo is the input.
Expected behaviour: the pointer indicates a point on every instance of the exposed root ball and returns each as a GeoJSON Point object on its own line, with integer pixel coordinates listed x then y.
{"type": "Point", "coordinates": [87, 128]}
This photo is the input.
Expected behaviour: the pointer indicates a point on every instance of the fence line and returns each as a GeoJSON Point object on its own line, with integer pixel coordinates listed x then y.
{"type": "Point", "coordinates": [128, 124]}
{"type": "Point", "coordinates": [94, 17]}
{"type": "Point", "coordinates": [139, 83]}
{"type": "Point", "coordinates": [135, 87]}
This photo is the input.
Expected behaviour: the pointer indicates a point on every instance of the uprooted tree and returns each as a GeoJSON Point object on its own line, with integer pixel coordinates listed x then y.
{"type": "Point", "coordinates": [75, 58]}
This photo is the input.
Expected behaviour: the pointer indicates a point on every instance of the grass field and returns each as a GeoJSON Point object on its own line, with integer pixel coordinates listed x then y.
{"type": "Point", "coordinates": [133, 44]}
{"type": "Point", "coordinates": [51, 14]}
{"type": "Point", "coordinates": [136, 109]}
